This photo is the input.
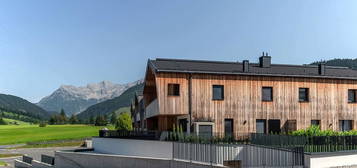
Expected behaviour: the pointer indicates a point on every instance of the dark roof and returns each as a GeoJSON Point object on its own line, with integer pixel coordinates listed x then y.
{"type": "Point", "coordinates": [219, 67]}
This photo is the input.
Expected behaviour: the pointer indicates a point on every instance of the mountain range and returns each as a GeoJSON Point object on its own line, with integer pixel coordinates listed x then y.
{"type": "Point", "coordinates": [74, 100]}
{"type": "Point", "coordinates": [120, 104]}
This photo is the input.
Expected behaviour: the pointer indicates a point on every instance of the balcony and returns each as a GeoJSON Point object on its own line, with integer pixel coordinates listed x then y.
{"type": "Point", "coordinates": [152, 109]}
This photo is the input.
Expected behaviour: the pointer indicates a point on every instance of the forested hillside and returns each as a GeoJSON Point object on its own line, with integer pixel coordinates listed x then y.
{"type": "Point", "coordinates": [351, 63]}
{"type": "Point", "coordinates": [20, 109]}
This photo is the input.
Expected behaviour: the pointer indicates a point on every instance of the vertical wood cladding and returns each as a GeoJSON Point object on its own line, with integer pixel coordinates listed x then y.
{"type": "Point", "coordinates": [328, 100]}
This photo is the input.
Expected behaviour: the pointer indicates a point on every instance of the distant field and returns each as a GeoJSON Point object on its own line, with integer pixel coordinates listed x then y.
{"type": "Point", "coordinates": [17, 134]}
{"type": "Point", "coordinates": [11, 122]}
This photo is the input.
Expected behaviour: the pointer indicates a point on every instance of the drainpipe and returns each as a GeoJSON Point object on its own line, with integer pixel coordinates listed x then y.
{"type": "Point", "coordinates": [189, 102]}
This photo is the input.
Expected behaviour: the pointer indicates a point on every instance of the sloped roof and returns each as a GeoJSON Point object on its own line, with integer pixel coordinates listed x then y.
{"type": "Point", "coordinates": [219, 67]}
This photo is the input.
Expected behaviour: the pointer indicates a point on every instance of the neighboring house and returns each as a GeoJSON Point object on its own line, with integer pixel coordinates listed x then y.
{"type": "Point", "coordinates": [243, 97]}
{"type": "Point", "coordinates": [137, 110]}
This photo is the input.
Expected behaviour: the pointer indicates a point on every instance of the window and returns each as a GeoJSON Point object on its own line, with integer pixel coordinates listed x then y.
{"type": "Point", "coordinates": [174, 89]}
{"type": "Point", "coordinates": [274, 126]}
{"type": "Point", "coordinates": [267, 94]}
{"type": "Point", "coordinates": [315, 122]}
{"type": "Point", "coordinates": [218, 92]}
{"type": "Point", "coordinates": [345, 125]}
{"type": "Point", "coordinates": [228, 127]}
{"type": "Point", "coordinates": [352, 96]}
{"type": "Point", "coordinates": [261, 126]}
{"type": "Point", "coordinates": [183, 124]}
{"type": "Point", "coordinates": [205, 131]}
{"type": "Point", "coordinates": [303, 94]}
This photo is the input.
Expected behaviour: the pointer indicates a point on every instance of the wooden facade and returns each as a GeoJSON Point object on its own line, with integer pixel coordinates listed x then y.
{"type": "Point", "coordinates": [328, 100]}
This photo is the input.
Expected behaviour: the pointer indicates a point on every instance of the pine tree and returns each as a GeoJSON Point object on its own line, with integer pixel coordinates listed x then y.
{"type": "Point", "coordinates": [91, 120]}
{"type": "Point", "coordinates": [113, 118]}
{"type": "Point", "coordinates": [63, 117]}
{"type": "Point", "coordinates": [73, 119]}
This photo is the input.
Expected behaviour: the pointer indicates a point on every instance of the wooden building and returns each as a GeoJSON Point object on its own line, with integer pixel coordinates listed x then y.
{"type": "Point", "coordinates": [243, 97]}
{"type": "Point", "coordinates": [137, 110]}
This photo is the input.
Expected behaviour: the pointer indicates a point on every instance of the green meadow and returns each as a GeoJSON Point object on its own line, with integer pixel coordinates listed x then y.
{"type": "Point", "coordinates": [24, 133]}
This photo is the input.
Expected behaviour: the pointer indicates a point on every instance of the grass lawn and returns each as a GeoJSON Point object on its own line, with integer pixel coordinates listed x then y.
{"type": "Point", "coordinates": [11, 121]}
{"type": "Point", "coordinates": [2, 163]}
{"type": "Point", "coordinates": [18, 134]}
{"type": "Point", "coordinates": [9, 155]}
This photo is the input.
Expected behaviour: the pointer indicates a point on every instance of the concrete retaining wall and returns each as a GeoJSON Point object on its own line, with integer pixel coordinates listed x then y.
{"type": "Point", "coordinates": [34, 164]}
{"type": "Point", "coordinates": [38, 164]}
{"type": "Point", "coordinates": [21, 164]}
{"type": "Point", "coordinates": [93, 160]}
{"type": "Point", "coordinates": [130, 147]}
{"type": "Point", "coordinates": [331, 159]}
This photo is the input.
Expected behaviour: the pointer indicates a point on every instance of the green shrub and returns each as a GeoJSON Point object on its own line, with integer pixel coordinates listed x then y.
{"type": "Point", "coordinates": [316, 131]}
{"type": "Point", "coordinates": [124, 122]}
{"type": "Point", "coordinates": [42, 124]}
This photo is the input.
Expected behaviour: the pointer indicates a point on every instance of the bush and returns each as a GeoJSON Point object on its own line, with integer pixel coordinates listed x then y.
{"type": "Point", "coordinates": [316, 131]}
{"type": "Point", "coordinates": [124, 122]}
{"type": "Point", "coordinates": [42, 124]}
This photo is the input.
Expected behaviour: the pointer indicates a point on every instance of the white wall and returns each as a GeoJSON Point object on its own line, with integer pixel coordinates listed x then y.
{"type": "Point", "coordinates": [130, 147]}
{"type": "Point", "coordinates": [332, 159]}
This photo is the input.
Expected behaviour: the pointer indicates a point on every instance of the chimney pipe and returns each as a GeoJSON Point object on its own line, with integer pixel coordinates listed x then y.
{"type": "Point", "coordinates": [245, 66]}
{"type": "Point", "coordinates": [265, 60]}
{"type": "Point", "coordinates": [322, 68]}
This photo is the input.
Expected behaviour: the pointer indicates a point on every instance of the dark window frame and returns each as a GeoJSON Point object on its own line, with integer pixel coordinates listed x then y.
{"type": "Point", "coordinates": [307, 95]}
{"type": "Point", "coordinates": [221, 97]}
{"type": "Point", "coordinates": [264, 124]}
{"type": "Point", "coordinates": [175, 91]}
{"type": "Point", "coordinates": [271, 94]}
{"type": "Point", "coordinates": [317, 121]}
{"type": "Point", "coordinates": [231, 133]}
{"type": "Point", "coordinates": [354, 91]}
{"type": "Point", "coordinates": [343, 122]}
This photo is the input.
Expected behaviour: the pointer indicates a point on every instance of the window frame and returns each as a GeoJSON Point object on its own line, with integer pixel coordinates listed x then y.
{"type": "Point", "coordinates": [307, 95]}
{"type": "Point", "coordinates": [271, 93]}
{"type": "Point", "coordinates": [355, 95]}
{"type": "Point", "coordinates": [342, 123]}
{"type": "Point", "coordinates": [231, 120]}
{"type": "Point", "coordinates": [222, 92]}
{"type": "Point", "coordinates": [175, 86]}
{"type": "Point", "coordinates": [317, 121]}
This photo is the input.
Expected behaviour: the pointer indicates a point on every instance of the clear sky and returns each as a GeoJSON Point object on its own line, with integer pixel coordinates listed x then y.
{"type": "Point", "coordinates": [44, 44]}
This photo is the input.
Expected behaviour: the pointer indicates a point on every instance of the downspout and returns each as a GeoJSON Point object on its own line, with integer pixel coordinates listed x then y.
{"type": "Point", "coordinates": [189, 102]}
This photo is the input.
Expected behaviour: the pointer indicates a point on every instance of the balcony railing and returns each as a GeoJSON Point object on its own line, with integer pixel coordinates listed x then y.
{"type": "Point", "coordinates": [152, 109]}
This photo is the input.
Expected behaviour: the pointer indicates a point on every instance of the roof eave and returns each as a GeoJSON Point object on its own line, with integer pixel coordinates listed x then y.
{"type": "Point", "coordinates": [255, 74]}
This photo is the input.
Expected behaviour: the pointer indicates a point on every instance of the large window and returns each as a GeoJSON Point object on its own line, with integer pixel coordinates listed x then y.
{"type": "Point", "coordinates": [261, 126]}
{"type": "Point", "coordinates": [173, 89]}
{"type": "Point", "coordinates": [218, 92]}
{"type": "Point", "coordinates": [228, 127]}
{"type": "Point", "coordinates": [352, 96]}
{"type": "Point", "coordinates": [345, 125]}
{"type": "Point", "coordinates": [205, 131]}
{"type": "Point", "coordinates": [267, 94]}
{"type": "Point", "coordinates": [274, 126]}
{"type": "Point", "coordinates": [303, 94]}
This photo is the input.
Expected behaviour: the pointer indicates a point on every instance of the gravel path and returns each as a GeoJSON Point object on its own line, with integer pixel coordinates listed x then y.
{"type": "Point", "coordinates": [32, 152]}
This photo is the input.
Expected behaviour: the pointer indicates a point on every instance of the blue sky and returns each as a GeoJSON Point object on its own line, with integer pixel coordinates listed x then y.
{"type": "Point", "coordinates": [44, 44]}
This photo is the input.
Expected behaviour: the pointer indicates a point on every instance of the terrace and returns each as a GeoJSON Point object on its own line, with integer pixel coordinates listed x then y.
{"type": "Point", "coordinates": [244, 149]}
